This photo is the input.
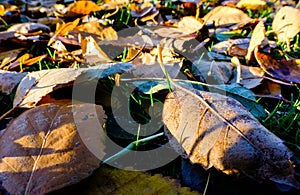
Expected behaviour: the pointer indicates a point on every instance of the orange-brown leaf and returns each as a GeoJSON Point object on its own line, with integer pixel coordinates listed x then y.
{"type": "Point", "coordinates": [42, 151]}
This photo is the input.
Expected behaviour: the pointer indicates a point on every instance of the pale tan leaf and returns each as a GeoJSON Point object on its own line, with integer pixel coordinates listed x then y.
{"type": "Point", "coordinates": [258, 36]}
{"type": "Point", "coordinates": [29, 27]}
{"type": "Point", "coordinates": [190, 24]}
{"type": "Point", "coordinates": [42, 151]}
{"type": "Point", "coordinates": [252, 4]}
{"type": "Point", "coordinates": [286, 23]}
{"type": "Point", "coordinates": [221, 133]}
{"type": "Point", "coordinates": [35, 85]}
{"type": "Point", "coordinates": [9, 80]}
{"type": "Point", "coordinates": [92, 53]}
{"type": "Point", "coordinates": [223, 15]}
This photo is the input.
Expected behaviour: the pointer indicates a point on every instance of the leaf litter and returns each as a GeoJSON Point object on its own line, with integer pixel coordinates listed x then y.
{"type": "Point", "coordinates": [83, 35]}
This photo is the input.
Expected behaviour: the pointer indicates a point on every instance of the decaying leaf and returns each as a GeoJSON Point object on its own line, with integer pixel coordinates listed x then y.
{"type": "Point", "coordinates": [35, 85]}
{"type": "Point", "coordinates": [239, 144]}
{"type": "Point", "coordinates": [288, 70]}
{"type": "Point", "coordinates": [107, 180]}
{"type": "Point", "coordinates": [41, 150]}
{"type": "Point", "coordinates": [223, 15]}
{"type": "Point", "coordinates": [286, 23]}
{"type": "Point", "coordinates": [9, 80]}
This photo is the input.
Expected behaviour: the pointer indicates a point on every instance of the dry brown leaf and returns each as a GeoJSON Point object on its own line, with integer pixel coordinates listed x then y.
{"type": "Point", "coordinates": [9, 80]}
{"type": "Point", "coordinates": [286, 23]}
{"type": "Point", "coordinates": [223, 15]}
{"type": "Point", "coordinates": [241, 145]}
{"type": "Point", "coordinates": [288, 70]}
{"type": "Point", "coordinates": [63, 29]}
{"type": "Point", "coordinates": [258, 36]}
{"type": "Point", "coordinates": [80, 8]}
{"type": "Point", "coordinates": [41, 150]}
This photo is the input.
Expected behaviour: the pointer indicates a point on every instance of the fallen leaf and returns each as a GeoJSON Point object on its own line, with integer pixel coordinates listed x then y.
{"type": "Point", "coordinates": [104, 33]}
{"type": "Point", "coordinates": [287, 70]}
{"type": "Point", "coordinates": [63, 29]}
{"type": "Point", "coordinates": [239, 145]}
{"type": "Point", "coordinates": [9, 80]}
{"type": "Point", "coordinates": [258, 36]}
{"type": "Point", "coordinates": [27, 62]}
{"type": "Point", "coordinates": [35, 85]}
{"type": "Point", "coordinates": [80, 8]}
{"type": "Point", "coordinates": [250, 77]}
{"type": "Point", "coordinates": [41, 150]}
{"type": "Point", "coordinates": [252, 4]}
{"type": "Point", "coordinates": [190, 24]}
{"type": "Point", "coordinates": [20, 61]}
{"type": "Point", "coordinates": [213, 72]}
{"type": "Point", "coordinates": [269, 89]}
{"type": "Point", "coordinates": [286, 23]}
{"type": "Point", "coordinates": [29, 27]}
{"type": "Point", "coordinates": [108, 180]}
{"type": "Point", "coordinates": [92, 53]}
{"type": "Point", "coordinates": [138, 11]}
{"type": "Point", "coordinates": [9, 56]}
{"type": "Point", "coordinates": [223, 15]}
